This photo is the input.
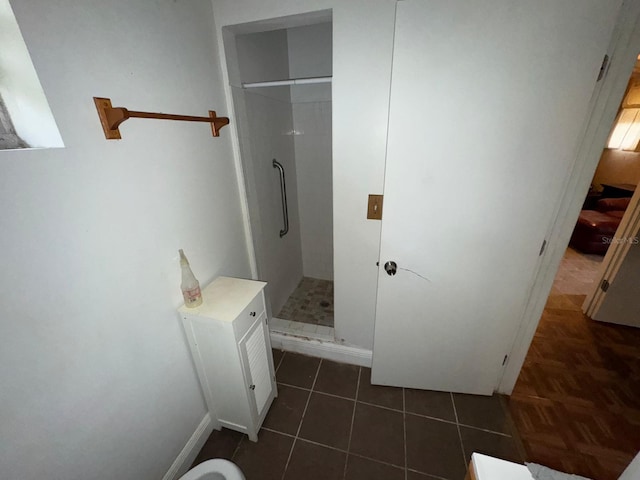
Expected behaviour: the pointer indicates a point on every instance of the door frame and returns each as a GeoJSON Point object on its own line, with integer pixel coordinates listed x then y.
{"type": "Point", "coordinates": [623, 51]}
{"type": "Point", "coordinates": [245, 173]}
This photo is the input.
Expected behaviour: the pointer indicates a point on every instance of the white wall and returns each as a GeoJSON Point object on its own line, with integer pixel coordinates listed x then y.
{"type": "Point", "coordinates": [310, 56]}
{"type": "Point", "coordinates": [265, 125]}
{"type": "Point", "coordinates": [362, 48]}
{"type": "Point", "coordinates": [97, 381]}
{"type": "Point", "coordinates": [618, 166]}
{"type": "Point", "coordinates": [310, 50]}
{"type": "Point", "coordinates": [20, 88]}
{"type": "Point", "coordinates": [632, 472]}
{"type": "Point", "coordinates": [263, 56]}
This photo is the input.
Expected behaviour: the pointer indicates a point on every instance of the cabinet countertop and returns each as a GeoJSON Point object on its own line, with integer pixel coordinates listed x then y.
{"type": "Point", "coordinates": [484, 467]}
{"type": "Point", "coordinates": [225, 298]}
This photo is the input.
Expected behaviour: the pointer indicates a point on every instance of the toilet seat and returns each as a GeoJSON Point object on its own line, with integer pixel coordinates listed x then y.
{"type": "Point", "coordinates": [216, 469]}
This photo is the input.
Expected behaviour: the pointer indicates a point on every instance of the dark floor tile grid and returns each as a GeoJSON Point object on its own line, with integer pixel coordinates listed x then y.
{"type": "Point", "coordinates": [331, 423]}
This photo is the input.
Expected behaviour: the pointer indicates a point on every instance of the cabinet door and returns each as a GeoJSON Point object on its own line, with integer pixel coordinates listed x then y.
{"type": "Point", "coordinates": [256, 359]}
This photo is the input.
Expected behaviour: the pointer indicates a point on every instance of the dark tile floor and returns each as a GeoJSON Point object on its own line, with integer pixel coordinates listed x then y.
{"type": "Point", "coordinates": [311, 302]}
{"type": "Point", "coordinates": [329, 422]}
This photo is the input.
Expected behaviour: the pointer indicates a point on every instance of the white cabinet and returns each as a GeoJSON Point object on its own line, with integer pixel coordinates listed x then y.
{"type": "Point", "coordinates": [229, 340]}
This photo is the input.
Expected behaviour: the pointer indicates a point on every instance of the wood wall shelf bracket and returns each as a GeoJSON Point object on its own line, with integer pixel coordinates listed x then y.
{"type": "Point", "coordinates": [112, 117]}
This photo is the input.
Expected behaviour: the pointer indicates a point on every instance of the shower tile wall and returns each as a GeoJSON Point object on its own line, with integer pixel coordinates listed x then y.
{"type": "Point", "coordinates": [292, 125]}
{"type": "Point", "coordinates": [312, 122]}
{"type": "Point", "coordinates": [280, 261]}
{"type": "Point", "coordinates": [310, 55]}
{"type": "Point", "coordinates": [265, 119]}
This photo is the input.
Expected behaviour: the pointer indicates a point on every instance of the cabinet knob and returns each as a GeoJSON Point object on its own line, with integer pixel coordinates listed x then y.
{"type": "Point", "coordinates": [253, 314]}
{"type": "Point", "coordinates": [252, 387]}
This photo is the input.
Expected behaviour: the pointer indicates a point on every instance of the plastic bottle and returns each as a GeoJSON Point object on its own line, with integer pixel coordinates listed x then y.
{"type": "Point", "coordinates": [190, 285]}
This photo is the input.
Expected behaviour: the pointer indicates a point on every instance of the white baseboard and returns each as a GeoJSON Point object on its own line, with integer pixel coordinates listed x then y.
{"type": "Point", "coordinates": [185, 458]}
{"type": "Point", "coordinates": [322, 349]}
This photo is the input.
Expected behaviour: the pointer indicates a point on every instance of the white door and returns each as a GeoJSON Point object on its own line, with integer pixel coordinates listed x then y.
{"type": "Point", "coordinates": [615, 296]}
{"type": "Point", "coordinates": [621, 303]}
{"type": "Point", "coordinates": [487, 103]}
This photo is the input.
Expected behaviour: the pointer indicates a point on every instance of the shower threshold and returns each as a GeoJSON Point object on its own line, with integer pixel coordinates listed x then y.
{"type": "Point", "coordinates": [291, 337]}
{"type": "Point", "coordinates": [299, 329]}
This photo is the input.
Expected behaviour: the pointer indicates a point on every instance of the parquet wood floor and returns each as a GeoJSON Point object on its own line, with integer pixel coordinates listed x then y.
{"type": "Point", "coordinates": [576, 404]}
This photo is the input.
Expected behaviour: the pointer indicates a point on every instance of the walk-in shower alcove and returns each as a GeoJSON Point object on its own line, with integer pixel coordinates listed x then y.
{"type": "Point", "coordinates": [280, 77]}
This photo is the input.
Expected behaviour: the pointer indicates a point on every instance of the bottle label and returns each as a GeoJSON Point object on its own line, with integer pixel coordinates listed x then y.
{"type": "Point", "coordinates": [191, 296]}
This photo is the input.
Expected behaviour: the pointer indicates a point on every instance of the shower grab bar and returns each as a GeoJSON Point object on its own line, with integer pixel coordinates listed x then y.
{"type": "Point", "coordinates": [283, 193]}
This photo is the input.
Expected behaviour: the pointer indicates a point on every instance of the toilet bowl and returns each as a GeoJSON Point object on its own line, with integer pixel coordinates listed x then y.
{"type": "Point", "coordinates": [216, 469]}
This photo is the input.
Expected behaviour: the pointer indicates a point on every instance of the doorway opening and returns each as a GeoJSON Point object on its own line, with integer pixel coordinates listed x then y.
{"type": "Point", "coordinates": [576, 404]}
{"type": "Point", "coordinates": [280, 72]}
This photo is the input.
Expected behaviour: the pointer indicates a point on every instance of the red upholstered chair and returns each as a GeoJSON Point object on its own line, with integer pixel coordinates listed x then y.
{"type": "Point", "coordinates": [596, 228]}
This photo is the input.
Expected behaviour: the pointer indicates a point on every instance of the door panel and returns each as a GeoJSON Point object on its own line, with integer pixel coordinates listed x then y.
{"type": "Point", "coordinates": [619, 303]}
{"type": "Point", "coordinates": [487, 104]}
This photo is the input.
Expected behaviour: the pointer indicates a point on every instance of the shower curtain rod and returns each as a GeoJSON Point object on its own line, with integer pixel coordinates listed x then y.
{"type": "Point", "coordinates": [292, 81]}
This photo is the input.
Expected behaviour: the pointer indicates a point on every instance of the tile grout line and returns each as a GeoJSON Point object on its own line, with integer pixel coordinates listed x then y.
{"type": "Point", "coordinates": [353, 418]}
{"type": "Point", "coordinates": [330, 447]}
{"type": "Point", "coordinates": [233, 455]}
{"type": "Point", "coordinates": [286, 466]}
{"type": "Point", "coordinates": [280, 362]}
{"type": "Point", "coordinates": [502, 434]}
{"type": "Point", "coordinates": [430, 475]}
{"type": "Point", "coordinates": [375, 460]}
{"type": "Point", "coordinates": [455, 411]}
{"type": "Point", "coordinates": [272, 430]}
{"type": "Point", "coordinates": [404, 431]}
{"type": "Point", "coordinates": [515, 435]}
